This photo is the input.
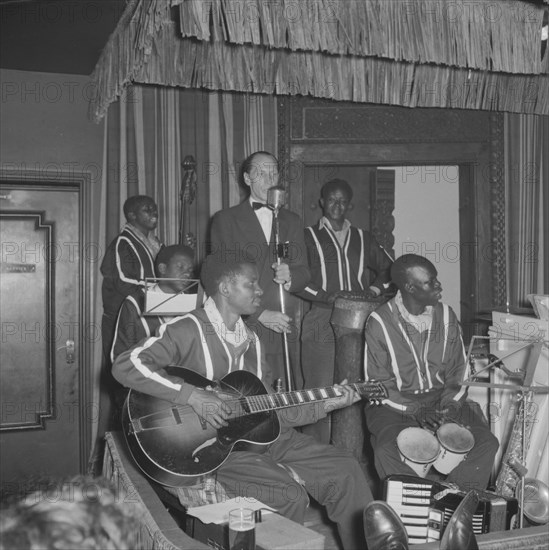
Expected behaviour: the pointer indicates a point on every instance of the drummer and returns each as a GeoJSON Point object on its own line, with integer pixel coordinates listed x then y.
{"type": "Point", "coordinates": [342, 258]}
{"type": "Point", "coordinates": [414, 345]}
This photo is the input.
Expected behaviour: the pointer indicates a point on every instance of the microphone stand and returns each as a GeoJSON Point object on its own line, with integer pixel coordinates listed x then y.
{"type": "Point", "coordinates": [279, 251]}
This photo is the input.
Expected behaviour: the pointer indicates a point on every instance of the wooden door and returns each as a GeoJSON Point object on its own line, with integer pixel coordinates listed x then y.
{"type": "Point", "coordinates": [42, 423]}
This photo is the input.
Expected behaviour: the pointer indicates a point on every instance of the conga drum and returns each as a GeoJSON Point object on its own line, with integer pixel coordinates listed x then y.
{"type": "Point", "coordinates": [455, 442]}
{"type": "Point", "coordinates": [348, 319]}
{"type": "Point", "coordinates": [418, 448]}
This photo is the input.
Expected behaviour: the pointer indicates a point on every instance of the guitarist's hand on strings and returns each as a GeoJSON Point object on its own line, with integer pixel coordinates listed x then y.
{"type": "Point", "coordinates": [210, 407]}
{"type": "Point", "coordinates": [348, 396]}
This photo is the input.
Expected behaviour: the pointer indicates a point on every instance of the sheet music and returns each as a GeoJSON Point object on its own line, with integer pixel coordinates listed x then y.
{"type": "Point", "coordinates": [162, 303]}
{"type": "Point", "coordinates": [219, 512]}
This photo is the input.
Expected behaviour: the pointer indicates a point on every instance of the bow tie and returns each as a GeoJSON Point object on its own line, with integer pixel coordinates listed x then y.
{"type": "Point", "coordinates": [258, 205]}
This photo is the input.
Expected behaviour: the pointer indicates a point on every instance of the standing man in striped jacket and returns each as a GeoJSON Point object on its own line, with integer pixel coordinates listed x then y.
{"type": "Point", "coordinates": [129, 259]}
{"type": "Point", "coordinates": [414, 345]}
{"type": "Point", "coordinates": [341, 258]}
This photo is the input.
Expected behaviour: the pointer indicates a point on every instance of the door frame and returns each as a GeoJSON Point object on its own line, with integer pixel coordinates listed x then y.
{"type": "Point", "coordinates": [45, 179]}
{"type": "Point", "coordinates": [383, 136]}
{"type": "Point", "coordinates": [468, 229]}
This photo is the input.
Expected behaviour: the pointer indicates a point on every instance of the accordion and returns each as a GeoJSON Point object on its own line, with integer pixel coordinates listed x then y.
{"type": "Point", "coordinates": [425, 507]}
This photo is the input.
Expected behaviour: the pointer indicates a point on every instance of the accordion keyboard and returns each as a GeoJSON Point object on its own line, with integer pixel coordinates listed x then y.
{"type": "Point", "coordinates": [425, 507]}
{"type": "Point", "coordinates": [410, 498]}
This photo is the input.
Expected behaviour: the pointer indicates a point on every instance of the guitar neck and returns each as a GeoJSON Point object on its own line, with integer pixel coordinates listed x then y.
{"type": "Point", "coordinates": [283, 400]}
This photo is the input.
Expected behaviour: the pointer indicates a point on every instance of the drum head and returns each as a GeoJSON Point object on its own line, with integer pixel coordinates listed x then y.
{"type": "Point", "coordinates": [418, 445]}
{"type": "Point", "coordinates": [455, 438]}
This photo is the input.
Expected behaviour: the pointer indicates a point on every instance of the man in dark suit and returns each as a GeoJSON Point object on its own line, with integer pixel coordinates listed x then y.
{"type": "Point", "coordinates": [246, 232]}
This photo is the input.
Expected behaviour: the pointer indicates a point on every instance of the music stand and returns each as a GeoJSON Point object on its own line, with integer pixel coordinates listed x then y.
{"type": "Point", "coordinates": [164, 304]}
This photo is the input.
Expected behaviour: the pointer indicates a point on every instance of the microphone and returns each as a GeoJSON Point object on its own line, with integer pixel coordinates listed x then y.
{"type": "Point", "coordinates": [276, 198]}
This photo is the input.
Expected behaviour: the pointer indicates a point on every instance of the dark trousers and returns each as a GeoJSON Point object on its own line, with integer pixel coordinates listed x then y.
{"type": "Point", "coordinates": [330, 475]}
{"type": "Point", "coordinates": [385, 424]}
{"type": "Point", "coordinates": [317, 362]}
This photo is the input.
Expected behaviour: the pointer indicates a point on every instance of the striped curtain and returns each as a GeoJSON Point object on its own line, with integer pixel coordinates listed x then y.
{"type": "Point", "coordinates": [240, 124]}
{"type": "Point", "coordinates": [148, 133]}
{"type": "Point", "coordinates": [527, 190]}
{"type": "Point", "coordinates": [152, 129]}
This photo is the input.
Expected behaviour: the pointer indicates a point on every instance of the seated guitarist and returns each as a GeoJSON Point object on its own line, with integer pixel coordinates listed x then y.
{"type": "Point", "coordinates": [214, 341]}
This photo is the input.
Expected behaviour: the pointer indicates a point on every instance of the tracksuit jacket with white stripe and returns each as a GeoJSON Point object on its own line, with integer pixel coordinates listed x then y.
{"type": "Point", "coordinates": [359, 264]}
{"type": "Point", "coordinates": [132, 325]}
{"type": "Point", "coordinates": [126, 263]}
{"type": "Point", "coordinates": [416, 366]}
{"type": "Point", "coordinates": [331, 475]}
{"type": "Point", "coordinates": [192, 342]}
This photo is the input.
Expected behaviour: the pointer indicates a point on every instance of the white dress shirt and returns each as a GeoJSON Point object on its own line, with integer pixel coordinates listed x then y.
{"type": "Point", "coordinates": [265, 217]}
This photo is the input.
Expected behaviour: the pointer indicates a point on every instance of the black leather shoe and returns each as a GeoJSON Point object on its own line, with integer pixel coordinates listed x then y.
{"type": "Point", "coordinates": [383, 528]}
{"type": "Point", "coordinates": [459, 534]}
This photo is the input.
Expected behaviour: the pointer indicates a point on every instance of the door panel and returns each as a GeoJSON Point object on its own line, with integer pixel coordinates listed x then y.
{"type": "Point", "coordinates": [40, 421]}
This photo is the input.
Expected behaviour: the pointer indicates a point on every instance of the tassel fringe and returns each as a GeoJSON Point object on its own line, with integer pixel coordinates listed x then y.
{"type": "Point", "coordinates": [369, 51]}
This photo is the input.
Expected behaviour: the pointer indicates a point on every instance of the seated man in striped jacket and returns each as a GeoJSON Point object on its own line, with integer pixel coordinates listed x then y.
{"type": "Point", "coordinates": [174, 266]}
{"type": "Point", "coordinates": [213, 341]}
{"type": "Point", "coordinates": [414, 346]}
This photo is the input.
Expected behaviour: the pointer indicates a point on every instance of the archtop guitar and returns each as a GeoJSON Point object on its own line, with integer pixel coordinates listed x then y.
{"type": "Point", "coordinates": [171, 443]}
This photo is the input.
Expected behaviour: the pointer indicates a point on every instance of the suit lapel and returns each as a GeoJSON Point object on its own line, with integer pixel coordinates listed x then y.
{"type": "Point", "coordinates": [251, 230]}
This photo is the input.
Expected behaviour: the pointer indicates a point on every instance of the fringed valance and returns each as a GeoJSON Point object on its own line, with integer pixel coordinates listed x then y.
{"type": "Point", "coordinates": [482, 34]}
{"type": "Point", "coordinates": [148, 47]}
{"type": "Point", "coordinates": [126, 51]}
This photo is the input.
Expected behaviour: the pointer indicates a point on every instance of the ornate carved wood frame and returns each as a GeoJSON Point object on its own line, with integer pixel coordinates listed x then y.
{"type": "Point", "coordinates": [383, 135]}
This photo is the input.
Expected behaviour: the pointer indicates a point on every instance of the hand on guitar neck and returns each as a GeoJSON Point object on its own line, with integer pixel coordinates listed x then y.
{"type": "Point", "coordinates": [212, 405]}
{"type": "Point", "coordinates": [348, 397]}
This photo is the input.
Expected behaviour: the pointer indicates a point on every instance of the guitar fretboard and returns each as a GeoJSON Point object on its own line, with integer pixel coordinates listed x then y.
{"type": "Point", "coordinates": [270, 401]}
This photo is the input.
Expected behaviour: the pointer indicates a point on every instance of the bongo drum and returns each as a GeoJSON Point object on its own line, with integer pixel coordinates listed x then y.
{"type": "Point", "coordinates": [455, 442]}
{"type": "Point", "coordinates": [418, 449]}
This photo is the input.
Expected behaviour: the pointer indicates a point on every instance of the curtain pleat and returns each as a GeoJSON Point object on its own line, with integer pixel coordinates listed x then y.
{"type": "Point", "coordinates": [112, 173]}
{"type": "Point", "coordinates": [98, 230]}
{"type": "Point", "coordinates": [526, 184]}
{"type": "Point", "coordinates": [214, 167]}
{"type": "Point", "coordinates": [225, 122]}
{"type": "Point", "coordinates": [544, 200]}
{"type": "Point", "coordinates": [138, 139]}
{"type": "Point", "coordinates": [239, 145]}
